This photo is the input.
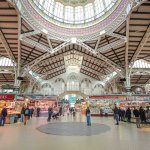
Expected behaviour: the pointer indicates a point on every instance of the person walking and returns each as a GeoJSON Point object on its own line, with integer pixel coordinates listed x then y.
{"type": "Point", "coordinates": [60, 110]}
{"type": "Point", "coordinates": [3, 115]}
{"type": "Point", "coordinates": [26, 115]}
{"type": "Point", "coordinates": [142, 115]}
{"type": "Point", "coordinates": [128, 114]}
{"type": "Point", "coordinates": [31, 112]}
{"type": "Point", "coordinates": [22, 114]}
{"type": "Point", "coordinates": [38, 111]}
{"type": "Point", "coordinates": [50, 111]}
{"type": "Point", "coordinates": [136, 114]}
{"type": "Point", "coordinates": [116, 114]}
{"type": "Point", "coordinates": [147, 113]}
{"type": "Point", "coordinates": [88, 116]}
{"type": "Point", "coordinates": [120, 114]}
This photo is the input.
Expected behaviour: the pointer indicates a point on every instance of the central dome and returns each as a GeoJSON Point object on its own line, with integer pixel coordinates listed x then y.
{"type": "Point", "coordinates": [67, 19]}
{"type": "Point", "coordinates": [75, 12]}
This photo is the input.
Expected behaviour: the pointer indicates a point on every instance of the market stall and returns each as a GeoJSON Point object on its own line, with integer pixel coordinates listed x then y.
{"type": "Point", "coordinates": [102, 105]}
{"type": "Point", "coordinates": [42, 102]}
{"type": "Point", "coordinates": [8, 101]}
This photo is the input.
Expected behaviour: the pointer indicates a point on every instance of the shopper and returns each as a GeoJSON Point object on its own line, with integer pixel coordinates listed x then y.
{"type": "Point", "coordinates": [142, 115]}
{"type": "Point", "coordinates": [123, 112]}
{"type": "Point", "coordinates": [31, 112]}
{"type": "Point", "coordinates": [120, 114]}
{"type": "Point", "coordinates": [88, 116]}
{"type": "Point", "coordinates": [136, 114]}
{"type": "Point", "coordinates": [38, 111]}
{"type": "Point", "coordinates": [60, 111]}
{"type": "Point", "coordinates": [22, 114]}
{"type": "Point", "coordinates": [147, 113]}
{"type": "Point", "coordinates": [116, 114]}
{"type": "Point", "coordinates": [128, 114]}
{"type": "Point", "coordinates": [26, 115]}
{"type": "Point", "coordinates": [74, 112]}
{"type": "Point", "coordinates": [3, 115]}
{"type": "Point", "coordinates": [50, 112]}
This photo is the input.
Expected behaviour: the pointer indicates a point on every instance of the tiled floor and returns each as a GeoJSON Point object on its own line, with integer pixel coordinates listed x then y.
{"type": "Point", "coordinates": [123, 137]}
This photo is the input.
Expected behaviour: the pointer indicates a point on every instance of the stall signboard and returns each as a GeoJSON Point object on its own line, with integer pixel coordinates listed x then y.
{"type": "Point", "coordinates": [6, 97]}
{"type": "Point", "coordinates": [107, 97]}
{"type": "Point", "coordinates": [41, 97]}
{"type": "Point", "coordinates": [19, 97]}
{"type": "Point", "coordinates": [141, 98]}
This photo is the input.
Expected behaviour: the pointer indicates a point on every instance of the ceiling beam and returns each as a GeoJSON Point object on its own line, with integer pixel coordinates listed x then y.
{"type": "Point", "coordinates": [6, 46]}
{"type": "Point", "coordinates": [3, 68]}
{"type": "Point", "coordinates": [116, 68]}
{"type": "Point", "coordinates": [28, 34]}
{"type": "Point", "coordinates": [98, 41]}
{"type": "Point", "coordinates": [36, 44]}
{"type": "Point", "coordinates": [49, 42]}
{"type": "Point", "coordinates": [30, 65]}
{"type": "Point", "coordinates": [117, 36]}
{"type": "Point", "coordinates": [54, 70]}
{"type": "Point", "coordinates": [7, 82]}
{"type": "Point", "coordinates": [110, 45]}
{"type": "Point", "coordinates": [140, 46]}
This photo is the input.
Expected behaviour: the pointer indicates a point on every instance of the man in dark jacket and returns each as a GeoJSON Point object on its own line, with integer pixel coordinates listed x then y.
{"type": "Point", "coordinates": [128, 114]}
{"type": "Point", "coordinates": [142, 115]}
{"type": "Point", "coordinates": [3, 115]}
{"type": "Point", "coordinates": [136, 113]}
{"type": "Point", "coordinates": [116, 114]}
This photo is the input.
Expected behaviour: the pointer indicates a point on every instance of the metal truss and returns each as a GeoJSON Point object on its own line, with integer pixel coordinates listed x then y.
{"type": "Point", "coordinates": [141, 45]}
{"type": "Point", "coordinates": [36, 44]}
{"type": "Point", "coordinates": [92, 70]}
{"type": "Point", "coordinates": [111, 45]}
{"type": "Point", "coordinates": [79, 42]}
{"type": "Point", "coordinates": [17, 72]}
{"type": "Point", "coordinates": [140, 71]}
{"type": "Point", "coordinates": [3, 68]}
{"type": "Point", "coordinates": [6, 71]}
{"type": "Point", "coordinates": [117, 35]}
{"type": "Point", "coordinates": [117, 68]}
{"type": "Point", "coordinates": [4, 83]}
{"type": "Point", "coordinates": [30, 65]}
{"type": "Point", "coordinates": [7, 48]}
{"type": "Point", "coordinates": [54, 70]}
{"type": "Point", "coordinates": [98, 41]}
{"type": "Point", "coordinates": [49, 42]}
{"type": "Point", "coordinates": [148, 82]}
{"type": "Point", "coordinates": [28, 34]}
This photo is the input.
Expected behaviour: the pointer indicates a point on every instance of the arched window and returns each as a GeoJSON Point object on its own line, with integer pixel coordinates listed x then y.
{"type": "Point", "coordinates": [46, 89]}
{"type": "Point", "coordinates": [73, 83]}
{"type": "Point", "coordinates": [86, 86]}
{"type": "Point", "coordinates": [59, 86]}
{"type": "Point", "coordinates": [98, 89]}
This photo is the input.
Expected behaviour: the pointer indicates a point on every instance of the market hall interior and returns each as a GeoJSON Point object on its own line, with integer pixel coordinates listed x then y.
{"type": "Point", "coordinates": [74, 74]}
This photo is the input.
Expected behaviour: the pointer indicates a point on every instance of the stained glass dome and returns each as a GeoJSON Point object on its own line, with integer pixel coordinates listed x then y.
{"type": "Point", "coordinates": [75, 12]}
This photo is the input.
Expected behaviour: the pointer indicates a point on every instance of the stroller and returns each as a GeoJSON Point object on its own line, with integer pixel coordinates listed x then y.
{"type": "Point", "coordinates": [55, 115]}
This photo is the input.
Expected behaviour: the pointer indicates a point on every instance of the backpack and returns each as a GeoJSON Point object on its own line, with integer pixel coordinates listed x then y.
{"type": "Point", "coordinates": [26, 112]}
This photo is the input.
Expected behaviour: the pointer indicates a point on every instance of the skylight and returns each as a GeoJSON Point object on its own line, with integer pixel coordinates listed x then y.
{"type": "Point", "coordinates": [141, 64]}
{"type": "Point", "coordinates": [75, 11]}
{"type": "Point", "coordinates": [5, 62]}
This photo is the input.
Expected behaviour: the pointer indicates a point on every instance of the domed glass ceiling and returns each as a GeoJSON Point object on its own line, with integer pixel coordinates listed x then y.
{"type": "Point", "coordinates": [76, 12]}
